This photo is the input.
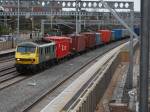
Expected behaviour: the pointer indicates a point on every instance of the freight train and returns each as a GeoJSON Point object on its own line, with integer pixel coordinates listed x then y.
{"type": "Point", "coordinates": [33, 56]}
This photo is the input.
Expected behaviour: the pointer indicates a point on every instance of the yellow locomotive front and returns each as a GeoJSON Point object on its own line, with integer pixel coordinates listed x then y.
{"type": "Point", "coordinates": [26, 56]}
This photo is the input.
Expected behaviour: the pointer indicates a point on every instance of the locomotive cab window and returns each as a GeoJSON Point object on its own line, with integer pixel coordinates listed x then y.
{"type": "Point", "coordinates": [25, 49]}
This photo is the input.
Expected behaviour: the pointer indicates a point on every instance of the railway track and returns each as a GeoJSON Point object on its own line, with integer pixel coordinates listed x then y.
{"type": "Point", "coordinates": [4, 68]}
{"type": "Point", "coordinates": [6, 59]}
{"type": "Point", "coordinates": [11, 81]}
{"type": "Point", "coordinates": [48, 92]}
{"type": "Point", "coordinates": [9, 76]}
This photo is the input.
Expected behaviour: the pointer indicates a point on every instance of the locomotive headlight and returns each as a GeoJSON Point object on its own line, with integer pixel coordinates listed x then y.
{"type": "Point", "coordinates": [18, 59]}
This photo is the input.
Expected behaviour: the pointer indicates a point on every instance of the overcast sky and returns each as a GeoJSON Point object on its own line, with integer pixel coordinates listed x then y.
{"type": "Point", "coordinates": [137, 5]}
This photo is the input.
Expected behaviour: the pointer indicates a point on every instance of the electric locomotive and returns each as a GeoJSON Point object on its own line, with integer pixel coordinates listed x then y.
{"type": "Point", "coordinates": [33, 55]}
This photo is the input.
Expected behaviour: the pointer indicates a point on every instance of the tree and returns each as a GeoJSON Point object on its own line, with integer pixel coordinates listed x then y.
{"type": "Point", "coordinates": [4, 30]}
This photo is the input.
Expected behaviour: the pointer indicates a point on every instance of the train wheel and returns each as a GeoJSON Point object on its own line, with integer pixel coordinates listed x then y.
{"type": "Point", "coordinates": [33, 69]}
{"type": "Point", "coordinates": [20, 69]}
{"type": "Point", "coordinates": [41, 67]}
{"type": "Point", "coordinates": [53, 62]}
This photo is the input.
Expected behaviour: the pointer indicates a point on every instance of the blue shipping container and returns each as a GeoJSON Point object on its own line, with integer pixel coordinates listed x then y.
{"type": "Point", "coordinates": [98, 39]}
{"type": "Point", "coordinates": [118, 33]}
{"type": "Point", "coordinates": [137, 30]}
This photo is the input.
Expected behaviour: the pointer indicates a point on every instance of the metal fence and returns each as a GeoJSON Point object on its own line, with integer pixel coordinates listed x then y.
{"type": "Point", "coordinates": [4, 45]}
{"type": "Point", "coordinates": [7, 45]}
{"type": "Point", "coordinates": [87, 102]}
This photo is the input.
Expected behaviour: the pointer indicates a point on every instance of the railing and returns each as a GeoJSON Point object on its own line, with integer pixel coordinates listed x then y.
{"type": "Point", "coordinates": [91, 96]}
{"type": "Point", "coordinates": [7, 45]}
{"type": "Point", "coordinates": [4, 45]}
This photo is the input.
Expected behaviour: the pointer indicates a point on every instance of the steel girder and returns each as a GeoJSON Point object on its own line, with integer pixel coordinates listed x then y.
{"type": "Point", "coordinates": [61, 13]}
{"type": "Point", "coordinates": [71, 4]}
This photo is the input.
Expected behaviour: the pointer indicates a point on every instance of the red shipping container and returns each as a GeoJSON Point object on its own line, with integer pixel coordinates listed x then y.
{"type": "Point", "coordinates": [90, 40]}
{"type": "Point", "coordinates": [78, 43]}
{"type": "Point", "coordinates": [62, 48]}
{"type": "Point", "coordinates": [105, 35]}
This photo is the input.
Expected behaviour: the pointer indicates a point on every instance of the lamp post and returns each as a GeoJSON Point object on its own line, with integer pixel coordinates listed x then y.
{"type": "Point", "coordinates": [77, 24]}
{"type": "Point", "coordinates": [18, 19]}
{"type": "Point", "coordinates": [144, 56]}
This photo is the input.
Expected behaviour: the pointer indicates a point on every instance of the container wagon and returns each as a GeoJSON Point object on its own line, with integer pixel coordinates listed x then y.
{"type": "Point", "coordinates": [62, 47]}
{"type": "Point", "coordinates": [77, 43]}
{"type": "Point", "coordinates": [105, 35]}
{"type": "Point", "coordinates": [118, 34]}
{"type": "Point", "coordinates": [90, 39]}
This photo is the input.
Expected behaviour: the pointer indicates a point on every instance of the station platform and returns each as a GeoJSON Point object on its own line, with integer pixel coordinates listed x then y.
{"type": "Point", "coordinates": [7, 52]}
